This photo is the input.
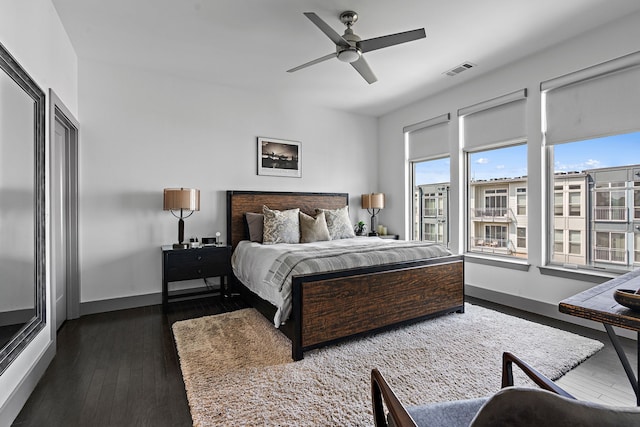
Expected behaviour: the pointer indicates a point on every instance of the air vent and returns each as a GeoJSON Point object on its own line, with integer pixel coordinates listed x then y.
{"type": "Point", "coordinates": [460, 68]}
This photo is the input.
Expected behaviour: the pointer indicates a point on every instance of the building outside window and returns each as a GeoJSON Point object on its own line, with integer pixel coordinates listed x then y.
{"type": "Point", "coordinates": [596, 202]}
{"type": "Point", "coordinates": [497, 201]}
{"type": "Point", "coordinates": [431, 201]}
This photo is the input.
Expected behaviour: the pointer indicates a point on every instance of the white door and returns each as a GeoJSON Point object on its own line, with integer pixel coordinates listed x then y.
{"type": "Point", "coordinates": [58, 217]}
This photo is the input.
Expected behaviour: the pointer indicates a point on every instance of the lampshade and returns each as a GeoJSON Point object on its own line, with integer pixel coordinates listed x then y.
{"type": "Point", "coordinates": [373, 201]}
{"type": "Point", "coordinates": [181, 198]}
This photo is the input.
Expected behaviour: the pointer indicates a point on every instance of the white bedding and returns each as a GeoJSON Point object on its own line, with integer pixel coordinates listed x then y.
{"type": "Point", "coordinates": [254, 264]}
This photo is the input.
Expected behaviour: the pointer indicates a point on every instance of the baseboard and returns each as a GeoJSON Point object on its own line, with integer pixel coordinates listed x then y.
{"type": "Point", "coordinates": [123, 303]}
{"type": "Point", "coordinates": [16, 317]}
{"type": "Point", "coordinates": [538, 307]}
{"type": "Point", "coordinates": [13, 405]}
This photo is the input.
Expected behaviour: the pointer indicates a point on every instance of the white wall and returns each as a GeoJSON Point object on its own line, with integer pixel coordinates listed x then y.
{"type": "Point", "coordinates": [33, 34]}
{"type": "Point", "coordinates": [142, 131]}
{"type": "Point", "coordinates": [530, 289]}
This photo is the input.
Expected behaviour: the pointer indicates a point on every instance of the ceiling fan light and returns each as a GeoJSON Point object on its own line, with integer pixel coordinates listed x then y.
{"type": "Point", "coordinates": [349, 55]}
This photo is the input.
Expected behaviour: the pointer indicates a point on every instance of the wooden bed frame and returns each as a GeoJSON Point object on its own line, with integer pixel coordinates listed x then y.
{"type": "Point", "coordinates": [330, 307]}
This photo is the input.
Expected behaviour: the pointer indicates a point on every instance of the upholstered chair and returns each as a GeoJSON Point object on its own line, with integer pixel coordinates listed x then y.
{"type": "Point", "coordinates": [546, 406]}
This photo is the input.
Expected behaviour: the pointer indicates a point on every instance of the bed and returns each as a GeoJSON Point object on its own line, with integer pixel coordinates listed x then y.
{"type": "Point", "coordinates": [327, 307]}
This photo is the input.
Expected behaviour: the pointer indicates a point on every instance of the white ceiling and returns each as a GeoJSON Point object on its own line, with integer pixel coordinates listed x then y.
{"type": "Point", "coordinates": [251, 43]}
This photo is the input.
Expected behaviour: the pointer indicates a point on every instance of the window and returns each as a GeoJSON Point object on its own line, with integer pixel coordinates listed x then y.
{"type": "Point", "coordinates": [497, 193]}
{"type": "Point", "coordinates": [558, 241]}
{"type": "Point", "coordinates": [597, 173]}
{"type": "Point", "coordinates": [596, 197]}
{"type": "Point", "coordinates": [636, 246]}
{"type": "Point", "coordinates": [636, 200]}
{"type": "Point", "coordinates": [431, 200]}
{"type": "Point", "coordinates": [495, 202]}
{"type": "Point", "coordinates": [610, 247]}
{"type": "Point", "coordinates": [575, 241]}
{"type": "Point", "coordinates": [495, 236]}
{"type": "Point", "coordinates": [522, 237]}
{"type": "Point", "coordinates": [610, 202]}
{"type": "Point", "coordinates": [521, 201]}
{"type": "Point", "coordinates": [575, 202]}
{"type": "Point", "coordinates": [558, 204]}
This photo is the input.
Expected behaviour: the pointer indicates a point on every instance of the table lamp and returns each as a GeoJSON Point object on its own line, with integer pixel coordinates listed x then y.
{"type": "Point", "coordinates": [373, 203]}
{"type": "Point", "coordinates": [181, 199]}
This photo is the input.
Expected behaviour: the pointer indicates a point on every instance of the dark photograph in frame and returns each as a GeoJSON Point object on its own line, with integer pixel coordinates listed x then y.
{"type": "Point", "coordinates": [279, 157]}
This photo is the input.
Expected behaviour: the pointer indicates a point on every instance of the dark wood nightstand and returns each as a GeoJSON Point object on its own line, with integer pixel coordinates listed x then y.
{"type": "Point", "coordinates": [195, 263]}
{"type": "Point", "coordinates": [389, 236]}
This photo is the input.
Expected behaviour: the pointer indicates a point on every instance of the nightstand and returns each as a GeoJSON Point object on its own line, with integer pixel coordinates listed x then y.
{"type": "Point", "coordinates": [194, 263]}
{"type": "Point", "coordinates": [389, 236]}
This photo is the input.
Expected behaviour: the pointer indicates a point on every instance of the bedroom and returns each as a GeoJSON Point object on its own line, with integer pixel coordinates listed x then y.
{"type": "Point", "coordinates": [146, 129]}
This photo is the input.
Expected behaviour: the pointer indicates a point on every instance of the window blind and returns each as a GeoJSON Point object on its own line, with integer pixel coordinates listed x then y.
{"type": "Point", "coordinates": [597, 101]}
{"type": "Point", "coordinates": [495, 121]}
{"type": "Point", "coordinates": [429, 138]}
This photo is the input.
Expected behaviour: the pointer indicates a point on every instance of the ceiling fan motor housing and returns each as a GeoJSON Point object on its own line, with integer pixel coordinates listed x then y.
{"type": "Point", "coordinates": [352, 53]}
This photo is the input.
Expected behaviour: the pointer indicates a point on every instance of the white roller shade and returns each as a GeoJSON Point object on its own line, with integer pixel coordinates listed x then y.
{"type": "Point", "coordinates": [495, 121]}
{"type": "Point", "coordinates": [429, 138]}
{"type": "Point", "coordinates": [598, 101]}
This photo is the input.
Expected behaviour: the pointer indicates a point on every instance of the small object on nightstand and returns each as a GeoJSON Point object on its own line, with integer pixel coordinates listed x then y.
{"type": "Point", "coordinates": [208, 241]}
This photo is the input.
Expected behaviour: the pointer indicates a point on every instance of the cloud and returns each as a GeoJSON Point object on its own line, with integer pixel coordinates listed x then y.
{"type": "Point", "coordinates": [577, 167]}
{"type": "Point", "coordinates": [500, 167]}
{"type": "Point", "coordinates": [482, 161]}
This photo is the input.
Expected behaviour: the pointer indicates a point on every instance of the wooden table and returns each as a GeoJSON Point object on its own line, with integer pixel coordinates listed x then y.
{"type": "Point", "coordinates": [597, 304]}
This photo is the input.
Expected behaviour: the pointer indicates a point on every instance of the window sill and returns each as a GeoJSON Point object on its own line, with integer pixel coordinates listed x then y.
{"type": "Point", "coordinates": [578, 274]}
{"type": "Point", "coordinates": [502, 262]}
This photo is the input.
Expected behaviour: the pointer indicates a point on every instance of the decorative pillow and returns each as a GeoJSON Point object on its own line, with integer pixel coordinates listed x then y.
{"type": "Point", "coordinates": [313, 229]}
{"type": "Point", "coordinates": [338, 223]}
{"type": "Point", "coordinates": [255, 224]}
{"type": "Point", "coordinates": [280, 226]}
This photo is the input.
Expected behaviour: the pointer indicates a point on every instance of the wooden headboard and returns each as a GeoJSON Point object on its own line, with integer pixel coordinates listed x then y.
{"type": "Point", "coordinates": [239, 202]}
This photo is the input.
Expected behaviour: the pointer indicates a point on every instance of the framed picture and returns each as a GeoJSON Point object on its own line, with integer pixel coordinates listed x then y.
{"type": "Point", "coordinates": [279, 157]}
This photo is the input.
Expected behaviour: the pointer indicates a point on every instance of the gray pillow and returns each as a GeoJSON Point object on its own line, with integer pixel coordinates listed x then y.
{"type": "Point", "coordinates": [255, 223]}
{"type": "Point", "coordinates": [338, 223]}
{"type": "Point", "coordinates": [313, 229]}
{"type": "Point", "coordinates": [280, 226]}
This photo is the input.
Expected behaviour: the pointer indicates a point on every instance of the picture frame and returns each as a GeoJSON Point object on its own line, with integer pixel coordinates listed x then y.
{"type": "Point", "coordinates": [279, 157]}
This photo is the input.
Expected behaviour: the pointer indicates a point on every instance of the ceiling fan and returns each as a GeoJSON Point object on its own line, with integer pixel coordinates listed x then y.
{"type": "Point", "coordinates": [349, 46]}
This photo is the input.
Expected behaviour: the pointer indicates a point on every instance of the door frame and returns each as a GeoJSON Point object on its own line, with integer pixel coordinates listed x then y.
{"type": "Point", "coordinates": [59, 112]}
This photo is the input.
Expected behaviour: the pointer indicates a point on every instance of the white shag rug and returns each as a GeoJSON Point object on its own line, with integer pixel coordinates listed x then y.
{"type": "Point", "coordinates": [238, 371]}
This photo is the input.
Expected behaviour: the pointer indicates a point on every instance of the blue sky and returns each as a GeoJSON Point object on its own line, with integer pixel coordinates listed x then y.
{"type": "Point", "coordinates": [511, 162]}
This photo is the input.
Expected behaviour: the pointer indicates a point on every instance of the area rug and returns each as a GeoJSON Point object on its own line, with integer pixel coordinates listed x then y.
{"type": "Point", "coordinates": [238, 371]}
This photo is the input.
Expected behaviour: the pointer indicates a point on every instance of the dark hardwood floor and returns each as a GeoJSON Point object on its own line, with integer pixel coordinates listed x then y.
{"type": "Point", "coordinates": [118, 369]}
{"type": "Point", "coordinates": [121, 369]}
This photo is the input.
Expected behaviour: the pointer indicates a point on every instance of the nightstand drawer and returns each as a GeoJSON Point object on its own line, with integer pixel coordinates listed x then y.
{"type": "Point", "coordinates": [196, 263]}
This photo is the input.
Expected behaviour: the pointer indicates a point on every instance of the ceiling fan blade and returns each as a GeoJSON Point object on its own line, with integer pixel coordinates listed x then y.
{"type": "Point", "coordinates": [362, 67]}
{"type": "Point", "coordinates": [390, 40]}
{"type": "Point", "coordinates": [325, 28]}
{"type": "Point", "coordinates": [315, 61]}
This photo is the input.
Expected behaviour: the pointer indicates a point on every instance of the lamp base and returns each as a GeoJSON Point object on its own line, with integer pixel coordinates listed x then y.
{"type": "Point", "coordinates": [181, 246]}
{"type": "Point", "coordinates": [373, 233]}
